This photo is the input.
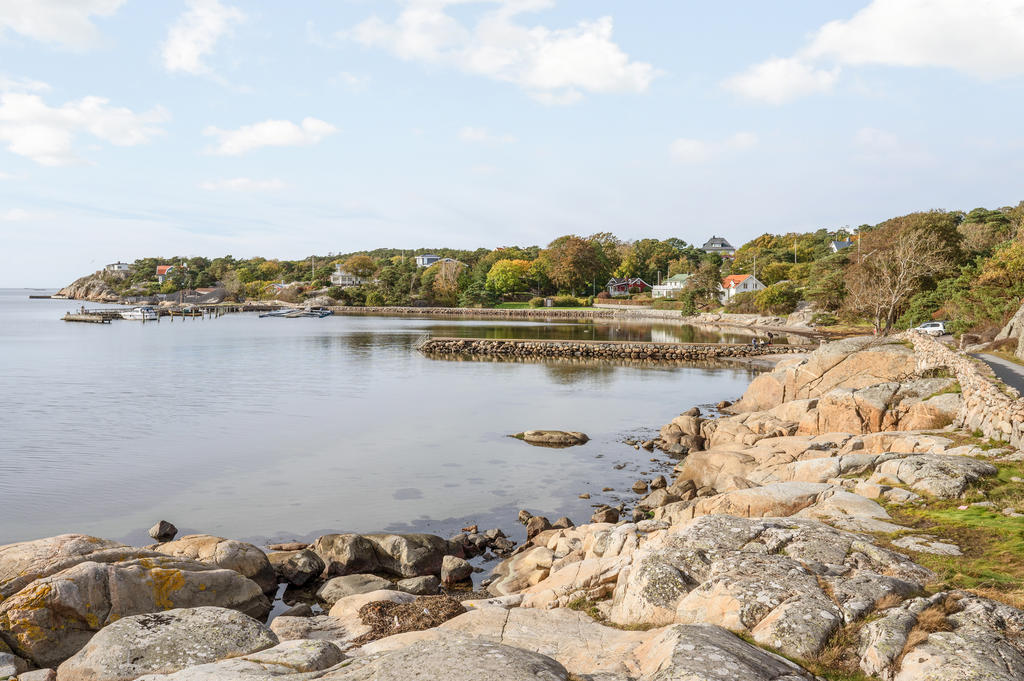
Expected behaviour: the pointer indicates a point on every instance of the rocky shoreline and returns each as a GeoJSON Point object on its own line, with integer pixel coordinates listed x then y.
{"type": "Point", "coordinates": [837, 521]}
{"type": "Point", "coordinates": [598, 349]}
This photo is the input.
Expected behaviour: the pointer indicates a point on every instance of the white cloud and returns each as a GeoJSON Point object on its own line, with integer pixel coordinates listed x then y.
{"type": "Point", "coordinates": [882, 146]}
{"type": "Point", "coordinates": [555, 66]}
{"type": "Point", "coordinates": [195, 34]}
{"type": "Point", "coordinates": [982, 38]}
{"type": "Point", "coordinates": [243, 184]}
{"type": "Point", "coordinates": [485, 170]}
{"type": "Point", "coordinates": [482, 136]}
{"type": "Point", "coordinates": [61, 22]}
{"type": "Point", "coordinates": [8, 84]}
{"type": "Point", "coordinates": [688, 150]}
{"type": "Point", "coordinates": [21, 215]}
{"type": "Point", "coordinates": [778, 80]}
{"type": "Point", "coordinates": [31, 128]}
{"type": "Point", "coordinates": [269, 134]}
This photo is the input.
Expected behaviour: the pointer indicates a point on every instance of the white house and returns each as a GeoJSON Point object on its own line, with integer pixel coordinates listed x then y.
{"type": "Point", "coordinates": [740, 283]}
{"type": "Point", "coordinates": [118, 267]}
{"type": "Point", "coordinates": [837, 246]}
{"type": "Point", "coordinates": [341, 277]}
{"type": "Point", "coordinates": [671, 287]}
{"type": "Point", "coordinates": [426, 260]}
{"type": "Point", "coordinates": [163, 271]}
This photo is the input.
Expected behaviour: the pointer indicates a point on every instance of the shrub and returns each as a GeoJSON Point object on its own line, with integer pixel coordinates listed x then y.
{"type": "Point", "coordinates": [778, 298]}
{"type": "Point", "coordinates": [375, 299]}
{"type": "Point", "coordinates": [336, 292]}
{"type": "Point", "coordinates": [824, 319]}
{"type": "Point", "coordinates": [743, 303]}
{"type": "Point", "coordinates": [567, 301]}
{"type": "Point", "coordinates": [536, 302]}
{"type": "Point", "coordinates": [604, 295]}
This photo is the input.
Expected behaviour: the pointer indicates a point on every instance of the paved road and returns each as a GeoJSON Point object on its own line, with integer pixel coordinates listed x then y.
{"type": "Point", "coordinates": [1009, 373]}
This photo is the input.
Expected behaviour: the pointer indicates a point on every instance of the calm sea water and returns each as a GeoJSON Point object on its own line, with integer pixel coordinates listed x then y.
{"type": "Point", "coordinates": [286, 428]}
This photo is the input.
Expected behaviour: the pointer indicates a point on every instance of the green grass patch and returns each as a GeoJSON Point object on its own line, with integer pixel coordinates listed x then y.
{"type": "Point", "coordinates": [992, 543]}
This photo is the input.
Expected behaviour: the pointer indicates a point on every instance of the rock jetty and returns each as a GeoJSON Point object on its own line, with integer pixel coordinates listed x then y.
{"type": "Point", "coordinates": [599, 349]}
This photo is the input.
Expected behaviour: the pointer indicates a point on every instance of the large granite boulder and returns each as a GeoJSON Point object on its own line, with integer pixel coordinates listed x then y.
{"type": "Point", "coordinates": [298, 660]}
{"type": "Point", "coordinates": [296, 567]}
{"type": "Point", "coordinates": [54, 617]}
{"type": "Point", "coordinates": [941, 475]}
{"type": "Point", "coordinates": [553, 438]}
{"type": "Point", "coordinates": [789, 583]}
{"type": "Point", "coordinates": [849, 363]}
{"type": "Point", "coordinates": [909, 405]}
{"type": "Point", "coordinates": [336, 588]}
{"type": "Point", "coordinates": [24, 562]}
{"type": "Point", "coordinates": [402, 555]}
{"type": "Point", "coordinates": [166, 642]}
{"type": "Point", "coordinates": [245, 559]}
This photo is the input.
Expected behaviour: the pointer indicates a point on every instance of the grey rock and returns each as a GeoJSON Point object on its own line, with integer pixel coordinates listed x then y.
{"type": "Point", "coordinates": [605, 515]}
{"type": "Point", "coordinates": [336, 588]}
{"type": "Point", "coordinates": [657, 499]}
{"type": "Point", "coordinates": [246, 559]}
{"type": "Point", "coordinates": [454, 570]}
{"type": "Point", "coordinates": [39, 675]}
{"type": "Point", "coordinates": [554, 438]}
{"type": "Point", "coordinates": [163, 531]}
{"type": "Point", "coordinates": [300, 610]}
{"type": "Point", "coordinates": [294, 660]}
{"type": "Point", "coordinates": [316, 628]}
{"type": "Point", "coordinates": [926, 544]}
{"type": "Point", "coordinates": [453, 659]}
{"type": "Point", "coordinates": [563, 523]}
{"type": "Point", "coordinates": [166, 642]}
{"type": "Point", "coordinates": [297, 567]}
{"type": "Point", "coordinates": [11, 665]}
{"type": "Point", "coordinates": [401, 555]}
{"type": "Point", "coordinates": [420, 586]}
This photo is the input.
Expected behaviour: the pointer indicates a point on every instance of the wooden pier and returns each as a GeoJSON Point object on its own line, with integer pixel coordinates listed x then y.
{"type": "Point", "coordinates": [88, 318]}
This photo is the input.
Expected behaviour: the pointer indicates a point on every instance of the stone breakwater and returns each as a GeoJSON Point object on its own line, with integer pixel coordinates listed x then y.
{"type": "Point", "coordinates": [993, 408]}
{"type": "Point", "coordinates": [474, 312]}
{"type": "Point", "coordinates": [598, 349]}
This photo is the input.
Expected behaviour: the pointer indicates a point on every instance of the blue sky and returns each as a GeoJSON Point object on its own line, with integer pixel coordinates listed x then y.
{"type": "Point", "coordinates": [206, 127]}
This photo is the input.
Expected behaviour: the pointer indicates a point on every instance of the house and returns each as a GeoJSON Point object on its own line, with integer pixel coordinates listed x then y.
{"type": "Point", "coordinates": [740, 283]}
{"type": "Point", "coordinates": [341, 277]}
{"type": "Point", "coordinates": [163, 271]}
{"type": "Point", "coordinates": [426, 260]}
{"type": "Point", "coordinates": [719, 245]}
{"type": "Point", "coordinates": [118, 267]}
{"type": "Point", "coordinates": [671, 287]}
{"type": "Point", "coordinates": [623, 287]}
{"type": "Point", "coordinates": [837, 246]}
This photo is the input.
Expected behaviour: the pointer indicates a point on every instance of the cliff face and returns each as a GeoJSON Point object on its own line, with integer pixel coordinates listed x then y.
{"type": "Point", "coordinates": [92, 287]}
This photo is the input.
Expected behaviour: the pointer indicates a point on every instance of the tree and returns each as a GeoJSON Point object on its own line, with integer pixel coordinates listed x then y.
{"type": "Point", "coordinates": [705, 284]}
{"type": "Point", "coordinates": [446, 282]}
{"type": "Point", "coordinates": [646, 258]}
{"type": "Point", "coordinates": [508, 276]}
{"type": "Point", "coordinates": [573, 263]}
{"type": "Point", "coordinates": [778, 298]}
{"type": "Point", "coordinates": [892, 266]}
{"type": "Point", "coordinates": [361, 266]}
{"type": "Point", "coordinates": [774, 273]}
{"type": "Point", "coordinates": [233, 284]}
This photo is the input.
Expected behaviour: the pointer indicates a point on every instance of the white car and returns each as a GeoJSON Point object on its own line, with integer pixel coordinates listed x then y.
{"type": "Point", "coordinates": [932, 328]}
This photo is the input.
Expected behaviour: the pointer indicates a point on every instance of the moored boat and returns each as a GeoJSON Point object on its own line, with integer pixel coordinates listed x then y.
{"type": "Point", "coordinates": [141, 314]}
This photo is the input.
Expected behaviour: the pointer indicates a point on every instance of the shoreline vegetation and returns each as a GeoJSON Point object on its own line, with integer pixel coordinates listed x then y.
{"type": "Point", "coordinates": [964, 267]}
{"type": "Point", "coordinates": [847, 518]}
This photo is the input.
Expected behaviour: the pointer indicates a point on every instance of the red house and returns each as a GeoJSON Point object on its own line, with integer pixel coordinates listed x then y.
{"type": "Point", "coordinates": [623, 287]}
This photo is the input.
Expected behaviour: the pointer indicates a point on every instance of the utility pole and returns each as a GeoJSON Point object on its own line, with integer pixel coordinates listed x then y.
{"type": "Point", "coordinates": [755, 266]}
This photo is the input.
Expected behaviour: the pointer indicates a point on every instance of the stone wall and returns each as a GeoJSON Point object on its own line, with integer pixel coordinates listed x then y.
{"type": "Point", "coordinates": [988, 405]}
{"type": "Point", "coordinates": [598, 349]}
{"type": "Point", "coordinates": [500, 313]}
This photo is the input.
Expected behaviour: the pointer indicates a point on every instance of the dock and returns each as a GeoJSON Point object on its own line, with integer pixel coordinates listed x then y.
{"type": "Point", "coordinates": [88, 318]}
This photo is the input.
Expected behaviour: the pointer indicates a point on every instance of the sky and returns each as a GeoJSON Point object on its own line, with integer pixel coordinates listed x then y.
{"type": "Point", "coordinates": [132, 128]}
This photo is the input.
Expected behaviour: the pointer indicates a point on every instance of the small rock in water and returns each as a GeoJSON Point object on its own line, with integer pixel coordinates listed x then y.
{"type": "Point", "coordinates": [472, 529]}
{"type": "Point", "coordinates": [455, 569]}
{"type": "Point", "coordinates": [640, 487]}
{"type": "Point", "coordinates": [288, 546]}
{"type": "Point", "coordinates": [605, 515]}
{"type": "Point", "coordinates": [607, 489]}
{"type": "Point", "coordinates": [585, 495]}
{"type": "Point", "coordinates": [648, 445]}
{"type": "Point", "coordinates": [724, 404]}
{"type": "Point", "coordinates": [163, 531]}
{"type": "Point", "coordinates": [524, 516]}
{"type": "Point", "coordinates": [692, 411]}
{"type": "Point", "coordinates": [300, 610]}
{"type": "Point", "coordinates": [562, 523]}
{"type": "Point", "coordinates": [619, 466]}
{"type": "Point", "coordinates": [659, 482]}
{"type": "Point", "coordinates": [536, 525]}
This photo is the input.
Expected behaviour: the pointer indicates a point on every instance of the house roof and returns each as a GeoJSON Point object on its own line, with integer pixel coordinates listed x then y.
{"type": "Point", "coordinates": [631, 281]}
{"type": "Point", "coordinates": [839, 245]}
{"type": "Point", "coordinates": [677, 277]}
{"type": "Point", "coordinates": [428, 255]}
{"type": "Point", "coordinates": [162, 269]}
{"type": "Point", "coordinates": [734, 280]}
{"type": "Point", "coordinates": [717, 242]}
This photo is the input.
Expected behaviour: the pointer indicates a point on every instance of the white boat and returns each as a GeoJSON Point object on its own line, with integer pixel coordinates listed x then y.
{"type": "Point", "coordinates": [140, 314]}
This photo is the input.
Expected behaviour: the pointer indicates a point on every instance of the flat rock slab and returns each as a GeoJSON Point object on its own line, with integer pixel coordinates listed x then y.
{"type": "Point", "coordinates": [553, 438]}
{"type": "Point", "coordinates": [298, 660]}
{"type": "Point", "coordinates": [925, 544]}
{"type": "Point", "coordinates": [166, 642]}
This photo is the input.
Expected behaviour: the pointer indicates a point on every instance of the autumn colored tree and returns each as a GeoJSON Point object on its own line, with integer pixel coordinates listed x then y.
{"type": "Point", "coordinates": [361, 266]}
{"type": "Point", "coordinates": [573, 263]}
{"type": "Point", "coordinates": [508, 276]}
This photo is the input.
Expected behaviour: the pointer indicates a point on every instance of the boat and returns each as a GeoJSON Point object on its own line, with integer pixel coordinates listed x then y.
{"type": "Point", "coordinates": [294, 313]}
{"type": "Point", "coordinates": [277, 313]}
{"type": "Point", "coordinates": [141, 314]}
